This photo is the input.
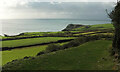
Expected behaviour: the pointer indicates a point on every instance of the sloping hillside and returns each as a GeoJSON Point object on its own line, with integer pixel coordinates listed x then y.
{"type": "Point", "coordinates": [78, 27]}
{"type": "Point", "coordinates": [89, 56]}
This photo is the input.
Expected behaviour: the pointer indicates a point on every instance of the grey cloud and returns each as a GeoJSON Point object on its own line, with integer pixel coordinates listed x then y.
{"type": "Point", "coordinates": [81, 10]}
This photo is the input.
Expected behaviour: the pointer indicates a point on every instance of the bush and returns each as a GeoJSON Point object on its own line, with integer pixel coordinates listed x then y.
{"type": "Point", "coordinates": [40, 53]}
{"type": "Point", "coordinates": [82, 40]}
{"type": "Point", "coordinates": [73, 43]}
{"type": "Point", "coordinates": [53, 47]}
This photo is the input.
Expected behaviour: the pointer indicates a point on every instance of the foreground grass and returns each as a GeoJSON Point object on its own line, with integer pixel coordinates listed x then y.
{"type": "Point", "coordinates": [10, 55]}
{"type": "Point", "coordinates": [88, 56]}
{"type": "Point", "coordinates": [31, 41]}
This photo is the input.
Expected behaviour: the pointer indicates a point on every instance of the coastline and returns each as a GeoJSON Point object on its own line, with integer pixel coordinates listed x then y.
{"type": "Point", "coordinates": [68, 25]}
{"type": "Point", "coordinates": [15, 27]}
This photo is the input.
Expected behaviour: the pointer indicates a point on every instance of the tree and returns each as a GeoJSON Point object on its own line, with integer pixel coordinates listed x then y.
{"type": "Point", "coordinates": [115, 16]}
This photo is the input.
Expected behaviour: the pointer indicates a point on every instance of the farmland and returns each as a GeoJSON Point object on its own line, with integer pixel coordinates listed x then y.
{"type": "Point", "coordinates": [32, 41]}
{"type": "Point", "coordinates": [92, 53]}
{"type": "Point", "coordinates": [70, 59]}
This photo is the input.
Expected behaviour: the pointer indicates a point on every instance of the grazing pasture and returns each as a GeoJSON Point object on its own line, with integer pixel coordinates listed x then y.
{"type": "Point", "coordinates": [32, 41]}
{"type": "Point", "coordinates": [19, 53]}
{"type": "Point", "coordinates": [93, 55]}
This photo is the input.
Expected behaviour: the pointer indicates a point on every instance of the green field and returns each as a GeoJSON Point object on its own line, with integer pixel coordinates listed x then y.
{"type": "Point", "coordinates": [10, 55]}
{"type": "Point", "coordinates": [61, 33]}
{"type": "Point", "coordinates": [95, 27]}
{"type": "Point", "coordinates": [40, 33]}
{"type": "Point", "coordinates": [87, 56]}
{"type": "Point", "coordinates": [32, 34]}
{"type": "Point", "coordinates": [103, 25]}
{"type": "Point", "coordinates": [92, 55]}
{"type": "Point", "coordinates": [92, 33]}
{"type": "Point", "coordinates": [32, 41]}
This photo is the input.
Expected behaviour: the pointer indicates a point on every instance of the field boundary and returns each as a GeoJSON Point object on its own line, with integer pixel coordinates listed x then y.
{"type": "Point", "coordinates": [59, 41]}
{"type": "Point", "coordinates": [17, 38]}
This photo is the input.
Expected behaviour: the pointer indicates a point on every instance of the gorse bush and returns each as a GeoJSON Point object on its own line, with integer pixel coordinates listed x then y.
{"type": "Point", "coordinates": [53, 47]}
{"type": "Point", "coordinates": [50, 48]}
{"type": "Point", "coordinates": [40, 53]}
{"type": "Point", "coordinates": [74, 43]}
{"type": "Point", "coordinates": [79, 41]}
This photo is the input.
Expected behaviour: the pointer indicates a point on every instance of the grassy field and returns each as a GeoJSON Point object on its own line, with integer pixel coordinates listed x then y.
{"type": "Point", "coordinates": [103, 25]}
{"type": "Point", "coordinates": [40, 33]}
{"type": "Point", "coordinates": [32, 34]}
{"type": "Point", "coordinates": [61, 33]}
{"type": "Point", "coordinates": [89, 56]}
{"type": "Point", "coordinates": [32, 41]}
{"type": "Point", "coordinates": [10, 55]}
{"type": "Point", "coordinates": [92, 33]}
{"type": "Point", "coordinates": [92, 55]}
{"type": "Point", "coordinates": [95, 27]}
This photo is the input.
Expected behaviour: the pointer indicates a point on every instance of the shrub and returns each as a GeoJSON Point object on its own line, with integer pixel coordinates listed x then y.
{"type": "Point", "coordinates": [40, 53]}
{"type": "Point", "coordinates": [74, 43]}
{"type": "Point", "coordinates": [26, 57]}
{"type": "Point", "coordinates": [81, 40]}
{"type": "Point", "coordinates": [53, 47]}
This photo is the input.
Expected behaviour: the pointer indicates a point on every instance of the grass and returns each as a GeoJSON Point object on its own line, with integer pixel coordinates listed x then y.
{"type": "Point", "coordinates": [39, 33]}
{"type": "Point", "coordinates": [62, 33]}
{"type": "Point", "coordinates": [32, 41]}
{"type": "Point", "coordinates": [84, 57]}
{"type": "Point", "coordinates": [32, 34]}
{"type": "Point", "coordinates": [0, 58]}
{"type": "Point", "coordinates": [93, 33]}
{"type": "Point", "coordinates": [87, 32]}
{"type": "Point", "coordinates": [95, 27]}
{"type": "Point", "coordinates": [1, 37]}
{"type": "Point", "coordinates": [10, 55]}
{"type": "Point", "coordinates": [103, 25]}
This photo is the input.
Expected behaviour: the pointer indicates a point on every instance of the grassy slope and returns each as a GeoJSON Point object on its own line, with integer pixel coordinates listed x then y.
{"type": "Point", "coordinates": [40, 33]}
{"type": "Point", "coordinates": [92, 27]}
{"type": "Point", "coordinates": [31, 34]}
{"type": "Point", "coordinates": [103, 25]}
{"type": "Point", "coordinates": [32, 41]}
{"type": "Point", "coordinates": [10, 55]}
{"type": "Point", "coordinates": [95, 27]}
{"type": "Point", "coordinates": [85, 57]}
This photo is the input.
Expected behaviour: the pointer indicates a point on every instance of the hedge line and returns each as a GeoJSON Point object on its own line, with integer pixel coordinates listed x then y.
{"type": "Point", "coordinates": [74, 43]}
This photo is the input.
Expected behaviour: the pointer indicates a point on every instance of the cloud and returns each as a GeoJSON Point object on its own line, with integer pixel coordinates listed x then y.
{"type": "Point", "coordinates": [5, 3]}
{"type": "Point", "coordinates": [36, 9]}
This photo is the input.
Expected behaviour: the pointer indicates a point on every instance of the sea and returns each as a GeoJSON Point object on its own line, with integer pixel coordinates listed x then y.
{"type": "Point", "coordinates": [17, 26]}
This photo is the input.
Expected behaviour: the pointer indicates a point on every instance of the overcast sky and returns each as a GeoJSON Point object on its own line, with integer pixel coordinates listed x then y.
{"type": "Point", "coordinates": [75, 9]}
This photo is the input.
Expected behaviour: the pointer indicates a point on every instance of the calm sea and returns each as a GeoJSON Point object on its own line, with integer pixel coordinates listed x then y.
{"type": "Point", "coordinates": [16, 26]}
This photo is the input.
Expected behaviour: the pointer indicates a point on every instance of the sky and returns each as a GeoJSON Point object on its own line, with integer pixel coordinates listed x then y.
{"type": "Point", "coordinates": [42, 9]}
